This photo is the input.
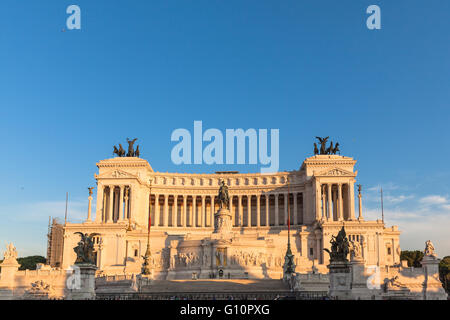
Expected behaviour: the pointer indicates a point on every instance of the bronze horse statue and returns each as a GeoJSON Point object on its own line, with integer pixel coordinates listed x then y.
{"type": "Point", "coordinates": [130, 147]}
{"type": "Point", "coordinates": [120, 152]}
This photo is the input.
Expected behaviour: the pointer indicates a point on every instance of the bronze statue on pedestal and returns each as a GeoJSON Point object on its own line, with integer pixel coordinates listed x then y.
{"type": "Point", "coordinates": [223, 196]}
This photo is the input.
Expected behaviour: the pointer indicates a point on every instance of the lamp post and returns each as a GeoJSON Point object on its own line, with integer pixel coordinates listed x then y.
{"type": "Point", "coordinates": [146, 266]}
{"type": "Point", "coordinates": [289, 265]}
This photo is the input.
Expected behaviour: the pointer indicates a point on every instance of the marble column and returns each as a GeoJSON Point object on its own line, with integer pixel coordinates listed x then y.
{"type": "Point", "coordinates": [175, 211]}
{"type": "Point", "coordinates": [240, 222]}
{"type": "Point", "coordinates": [267, 209]}
{"type": "Point", "coordinates": [157, 210]}
{"type": "Point", "coordinates": [189, 213]}
{"type": "Point", "coordinates": [184, 215]}
{"type": "Point", "coordinates": [99, 208]}
{"type": "Point", "coordinates": [324, 201]}
{"type": "Point", "coordinates": [212, 211]}
{"type": "Point", "coordinates": [121, 203]}
{"type": "Point", "coordinates": [330, 203]}
{"type": "Point", "coordinates": [194, 211]}
{"type": "Point", "coordinates": [351, 200]}
{"type": "Point", "coordinates": [89, 218]}
{"type": "Point", "coordinates": [258, 210]}
{"type": "Point", "coordinates": [166, 210]}
{"type": "Point", "coordinates": [203, 213]}
{"type": "Point", "coordinates": [360, 217]}
{"type": "Point", "coordinates": [126, 198]}
{"type": "Point", "coordinates": [340, 203]}
{"type": "Point", "coordinates": [230, 207]}
{"type": "Point", "coordinates": [110, 207]}
{"type": "Point", "coordinates": [334, 195]}
{"type": "Point", "coordinates": [277, 221]}
{"type": "Point", "coordinates": [249, 210]}
{"type": "Point", "coordinates": [116, 205]}
{"type": "Point", "coordinates": [319, 200]}
{"type": "Point", "coordinates": [295, 208]}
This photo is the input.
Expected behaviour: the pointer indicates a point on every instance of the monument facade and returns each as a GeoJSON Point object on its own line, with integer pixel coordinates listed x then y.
{"type": "Point", "coordinates": [239, 232]}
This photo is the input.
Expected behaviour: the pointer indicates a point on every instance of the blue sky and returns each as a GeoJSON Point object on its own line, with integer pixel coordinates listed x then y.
{"type": "Point", "coordinates": [145, 68]}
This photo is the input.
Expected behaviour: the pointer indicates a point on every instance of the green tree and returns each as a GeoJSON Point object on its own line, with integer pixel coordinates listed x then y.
{"type": "Point", "coordinates": [413, 257]}
{"type": "Point", "coordinates": [30, 262]}
{"type": "Point", "coordinates": [444, 272]}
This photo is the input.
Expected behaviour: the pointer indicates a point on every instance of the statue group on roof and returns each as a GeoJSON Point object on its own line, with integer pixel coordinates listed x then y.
{"type": "Point", "coordinates": [120, 152]}
{"type": "Point", "coordinates": [323, 147]}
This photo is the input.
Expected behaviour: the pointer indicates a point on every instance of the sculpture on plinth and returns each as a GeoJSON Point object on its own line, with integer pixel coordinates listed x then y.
{"type": "Point", "coordinates": [429, 249]}
{"type": "Point", "coordinates": [10, 255]}
{"type": "Point", "coordinates": [85, 249]}
{"type": "Point", "coordinates": [355, 250]}
{"type": "Point", "coordinates": [120, 152]}
{"type": "Point", "coordinates": [222, 219]}
{"type": "Point", "coordinates": [340, 247]}
{"type": "Point", "coordinates": [323, 147]}
{"type": "Point", "coordinates": [223, 196]}
{"type": "Point", "coordinates": [40, 290]}
{"type": "Point", "coordinates": [220, 257]}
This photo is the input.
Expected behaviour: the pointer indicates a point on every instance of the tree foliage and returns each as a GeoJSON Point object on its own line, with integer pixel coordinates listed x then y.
{"type": "Point", "coordinates": [30, 262]}
{"type": "Point", "coordinates": [413, 257]}
{"type": "Point", "coordinates": [444, 272]}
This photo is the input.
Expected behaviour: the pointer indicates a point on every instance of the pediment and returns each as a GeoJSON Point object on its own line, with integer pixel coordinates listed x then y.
{"type": "Point", "coordinates": [116, 174]}
{"type": "Point", "coordinates": [335, 172]}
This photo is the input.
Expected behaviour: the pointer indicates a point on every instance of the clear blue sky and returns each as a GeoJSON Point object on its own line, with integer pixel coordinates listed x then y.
{"type": "Point", "coordinates": [144, 68]}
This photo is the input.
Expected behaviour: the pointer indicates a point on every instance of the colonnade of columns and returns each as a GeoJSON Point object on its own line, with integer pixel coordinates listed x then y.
{"type": "Point", "coordinates": [255, 210]}
{"type": "Point", "coordinates": [114, 201]}
{"type": "Point", "coordinates": [335, 201]}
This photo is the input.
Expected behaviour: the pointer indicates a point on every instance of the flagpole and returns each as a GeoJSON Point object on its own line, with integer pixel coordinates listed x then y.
{"type": "Point", "coordinates": [65, 215]}
{"type": "Point", "coordinates": [382, 208]}
{"type": "Point", "coordinates": [289, 213]}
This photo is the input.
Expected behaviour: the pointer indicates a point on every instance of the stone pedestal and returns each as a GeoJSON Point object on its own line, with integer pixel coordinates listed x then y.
{"type": "Point", "coordinates": [340, 280]}
{"type": "Point", "coordinates": [433, 289]}
{"type": "Point", "coordinates": [359, 286]}
{"type": "Point", "coordinates": [84, 288]}
{"type": "Point", "coordinates": [143, 281]}
{"type": "Point", "coordinates": [8, 274]}
{"type": "Point", "coordinates": [222, 221]}
{"type": "Point", "coordinates": [8, 278]}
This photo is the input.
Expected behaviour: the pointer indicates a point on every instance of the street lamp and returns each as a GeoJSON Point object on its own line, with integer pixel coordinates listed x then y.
{"type": "Point", "coordinates": [289, 265]}
{"type": "Point", "coordinates": [146, 266]}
